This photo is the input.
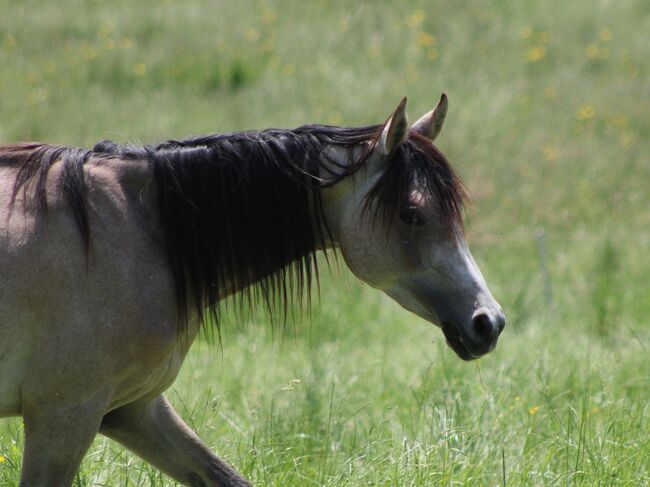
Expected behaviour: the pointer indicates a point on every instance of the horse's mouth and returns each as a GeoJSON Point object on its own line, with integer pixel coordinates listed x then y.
{"type": "Point", "coordinates": [456, 341]}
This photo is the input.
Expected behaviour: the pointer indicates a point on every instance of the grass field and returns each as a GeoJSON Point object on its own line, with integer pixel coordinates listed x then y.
{"type": "Point", "coordinates": [549, 127]}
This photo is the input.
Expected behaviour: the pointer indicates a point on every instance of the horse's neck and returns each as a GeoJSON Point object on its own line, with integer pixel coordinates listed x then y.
{"type": "Point", "coordinates": [347, 193]}
{"type": "Point", "coordinates": [231, 227]}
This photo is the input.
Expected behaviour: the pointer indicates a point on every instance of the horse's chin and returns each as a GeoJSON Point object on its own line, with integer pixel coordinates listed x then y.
{"type": "Point", "coordinates": [455, 341]}
{"type": "Point", "coordinates": [453, 336]}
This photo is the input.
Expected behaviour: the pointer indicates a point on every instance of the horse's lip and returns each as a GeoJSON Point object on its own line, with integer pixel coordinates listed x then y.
{"type": "Point", "coordinates": [457, 341]}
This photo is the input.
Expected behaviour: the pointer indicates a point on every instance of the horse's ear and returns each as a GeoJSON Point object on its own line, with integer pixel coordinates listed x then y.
{"type": "Point", "coordinates": [430, 124]}
{"type": "Point", "coordinates": [395, 131]}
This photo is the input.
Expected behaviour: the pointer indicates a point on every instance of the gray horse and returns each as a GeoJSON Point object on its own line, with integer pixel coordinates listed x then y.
{"type": "Point", "coordinates": [111, 260]}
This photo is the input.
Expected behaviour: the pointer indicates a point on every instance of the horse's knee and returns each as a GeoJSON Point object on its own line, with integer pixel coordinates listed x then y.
{"type": "Point", "coordinates": [155, 432]}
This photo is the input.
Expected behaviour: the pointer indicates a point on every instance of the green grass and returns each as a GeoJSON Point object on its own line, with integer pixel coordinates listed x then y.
{"type": "Point", "coordinates": [548, 126]}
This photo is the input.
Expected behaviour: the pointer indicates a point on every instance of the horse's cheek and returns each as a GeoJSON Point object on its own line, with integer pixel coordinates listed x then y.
{"type": "Point", "coordinates": [371, 260]}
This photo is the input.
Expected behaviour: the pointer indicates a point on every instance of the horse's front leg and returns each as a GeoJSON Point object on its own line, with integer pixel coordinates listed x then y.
{"type": "Point", "coordinates": [57, 435]}
{"type": "Point", "coordinates": [155, 432]}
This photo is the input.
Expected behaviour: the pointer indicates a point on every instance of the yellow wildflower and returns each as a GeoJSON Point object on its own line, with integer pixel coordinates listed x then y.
{"type": "Point", "coordinates": [416, 18]}
{"type": "Point", "coordinates": [585, 112]}
{"type": "Point", "coordinates": [533, 410]}
{"type": "Point", "coordinates": [88, 51]}
{"type": "Point", "coordinates": [536, 53]}
{"type": "Point", "coordinates": [268, 16]}
{"type": "Point", "coordinates": [426, 39]}
{"type": "Point", "coordinates": [335, 118]}
{"type": "Point", "coordinates": [550, 93]}
{"type": "Point", "coordinates": [373, 51]}
{"type": "Point", "coordinates": [432, 54]}
{"type": "Point", "coordinates": [627, 140]}
{"type": "Point", "coordinates": [549, 153]}
{"type": "Point", "coordinates": [251, 34]}
{"type": "Point", "coordinates": [125, 43]}
{"type": "Point", "coordinates": [9, 42]}
{"type": "Point", "coordinates": [289, 70]}
{"type": "Point", "coordinates": [605, 35]}
{"type": "Point", "coordinates": [591, 51]}
{"type": "Point", "coordinates": [526, 33]}
{"type": "Point", "coordinates": [140, 69]}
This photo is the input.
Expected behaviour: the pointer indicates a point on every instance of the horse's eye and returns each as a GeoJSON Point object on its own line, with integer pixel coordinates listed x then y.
{"type": "Point", "coordinates": [411, 215]}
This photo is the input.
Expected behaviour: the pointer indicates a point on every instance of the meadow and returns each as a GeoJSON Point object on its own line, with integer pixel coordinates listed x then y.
{"type": "Point", "coordinates": [549, 128]}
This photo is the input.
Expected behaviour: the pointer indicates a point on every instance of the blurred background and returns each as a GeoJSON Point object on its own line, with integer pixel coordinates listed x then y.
{"type": "Point", "coordinates": [548, 127]}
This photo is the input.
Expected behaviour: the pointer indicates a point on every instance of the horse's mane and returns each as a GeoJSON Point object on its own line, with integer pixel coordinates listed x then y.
{"type": "Point", "coordinates": [243, 211]}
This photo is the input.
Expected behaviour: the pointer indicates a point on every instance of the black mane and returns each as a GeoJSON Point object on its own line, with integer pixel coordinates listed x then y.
{"type": "Point", "coordinates": [243, 211]}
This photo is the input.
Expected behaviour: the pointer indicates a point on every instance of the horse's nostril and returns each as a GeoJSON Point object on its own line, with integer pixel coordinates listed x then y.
{"type": "Point", "coordinates": [501, 323]}
{"type": "Point", "coordinates": [484, 328]}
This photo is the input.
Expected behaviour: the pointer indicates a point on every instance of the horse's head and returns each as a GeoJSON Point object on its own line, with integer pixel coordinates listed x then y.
{"type": "Point", "coordinates": [398, 223]}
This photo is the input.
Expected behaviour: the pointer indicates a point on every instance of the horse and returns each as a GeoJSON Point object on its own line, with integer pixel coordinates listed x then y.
{"type": "Point", "coordinates": [113, 258]}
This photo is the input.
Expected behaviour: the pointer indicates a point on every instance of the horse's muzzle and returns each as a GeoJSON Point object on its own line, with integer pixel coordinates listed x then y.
{"type": "Point", "coordinates": [485, 330]}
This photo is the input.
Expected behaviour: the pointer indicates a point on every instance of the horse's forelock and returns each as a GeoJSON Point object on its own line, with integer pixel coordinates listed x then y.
{"type": "Point", "coordinates": [417, 161]}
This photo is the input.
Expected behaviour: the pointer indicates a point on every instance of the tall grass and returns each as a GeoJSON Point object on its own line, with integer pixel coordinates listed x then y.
{"type": "Point", "coordinates": [548, 126]}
